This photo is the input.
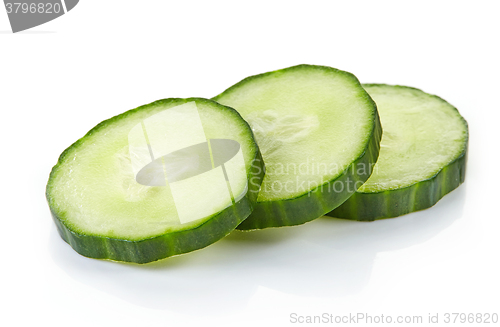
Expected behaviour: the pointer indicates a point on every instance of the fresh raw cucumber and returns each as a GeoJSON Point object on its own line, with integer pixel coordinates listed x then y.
{"type": "Point", "coordinates": [422, 158]}
{"type": "Point", "coordinates": [166, 178]}
{"type": "Point", "coordinates": [298, 114]}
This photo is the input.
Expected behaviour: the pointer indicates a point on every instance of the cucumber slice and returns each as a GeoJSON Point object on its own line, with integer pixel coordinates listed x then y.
{"type": "Point", "coordinates": [166, 178]}
{"type": "Point", "coordinates": [422, 158]}
{"type": "Point", "coordinates": [297, 114]}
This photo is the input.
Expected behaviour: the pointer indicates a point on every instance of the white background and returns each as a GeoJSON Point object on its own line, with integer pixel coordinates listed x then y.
{"type": "Point", "coordinates": [60, 79]}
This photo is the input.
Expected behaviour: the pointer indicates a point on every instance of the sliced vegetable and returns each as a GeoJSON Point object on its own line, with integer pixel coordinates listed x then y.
{"type": "Point", "coordinates": [166, 178]}
{"type": "Point", "coordinates": [298, 114]}
{"type": "Point", "coordinates": [422, 158]}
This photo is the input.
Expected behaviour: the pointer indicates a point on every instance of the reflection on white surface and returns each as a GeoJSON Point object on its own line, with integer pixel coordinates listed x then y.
{"type": "Point", "coordinates": [325, 258]}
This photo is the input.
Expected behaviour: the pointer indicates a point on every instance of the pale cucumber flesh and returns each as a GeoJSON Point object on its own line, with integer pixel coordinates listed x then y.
{"type": "Point", "coordinates": [423, 155]}
{"type": "Point", "coordinates": [422, 134]}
